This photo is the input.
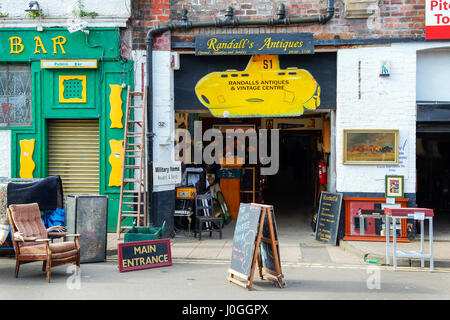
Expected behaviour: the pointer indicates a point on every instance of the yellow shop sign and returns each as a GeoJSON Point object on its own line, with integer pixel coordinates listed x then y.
{"type": "Point", "coordinates": [17, 45]}
{"type": "Point", "coordinates": [261, 90]}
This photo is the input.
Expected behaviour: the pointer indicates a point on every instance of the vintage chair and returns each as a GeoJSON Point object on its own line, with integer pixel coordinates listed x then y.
{"type": "Point", "coordinates": [35, 245]}
{"type": "Point", "coordinates": [204, 216]}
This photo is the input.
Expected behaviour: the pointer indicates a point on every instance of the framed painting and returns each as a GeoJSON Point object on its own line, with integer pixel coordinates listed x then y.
{"type": "Point", "coordinates": [371, 147]}
{"type": "Point", "coordinates": [394, 187]}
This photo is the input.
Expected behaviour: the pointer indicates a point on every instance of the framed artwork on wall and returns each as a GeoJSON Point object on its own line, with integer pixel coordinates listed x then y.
{"type": "Point", "coordinates": [371, 147]}
{"type": "Point", "coordinates": [394, 187]}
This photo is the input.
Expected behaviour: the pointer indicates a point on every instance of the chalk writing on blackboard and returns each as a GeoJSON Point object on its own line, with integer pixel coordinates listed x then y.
{"type": "Point", "coordinates": [328, 217]}
{"type": "Point", "coordinates": [255, 241]}
{"type": "Point", "coordinates": [244, 238]}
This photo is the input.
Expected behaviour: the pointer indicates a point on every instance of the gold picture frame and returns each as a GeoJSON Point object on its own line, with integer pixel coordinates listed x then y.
{"type": "Point", "coordinates": [371, 147]}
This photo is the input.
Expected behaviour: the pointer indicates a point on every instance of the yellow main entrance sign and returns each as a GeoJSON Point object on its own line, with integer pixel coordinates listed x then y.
{"type": "Point", "coordinates": [261, 90]}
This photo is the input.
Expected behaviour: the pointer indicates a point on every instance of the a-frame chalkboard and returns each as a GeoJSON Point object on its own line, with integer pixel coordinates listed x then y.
{"type": "Point", "coordinates": [255, 242]}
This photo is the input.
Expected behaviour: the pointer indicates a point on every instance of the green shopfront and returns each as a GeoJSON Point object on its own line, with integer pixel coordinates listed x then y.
{"type": "Point", "coordinates": [63, 98]}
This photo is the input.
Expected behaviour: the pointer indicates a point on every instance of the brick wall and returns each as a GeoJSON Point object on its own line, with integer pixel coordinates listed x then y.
{"type": "Point", "coordinates": [147, 14]}
{"type": "Point", "coordinates": [392, 18]}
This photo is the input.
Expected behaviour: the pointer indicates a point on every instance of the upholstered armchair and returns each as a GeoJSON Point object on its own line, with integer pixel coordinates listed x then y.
{"type": "Point", "coordinates": [31, 240]}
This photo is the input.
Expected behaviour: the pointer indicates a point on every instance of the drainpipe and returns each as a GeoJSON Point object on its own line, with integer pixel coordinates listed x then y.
{"type": "Point", "coordinates": [229, 22]}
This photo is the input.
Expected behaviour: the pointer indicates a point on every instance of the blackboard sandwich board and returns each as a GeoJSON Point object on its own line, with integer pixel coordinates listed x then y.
{"type": "Point", "coordinates": [248, 238]}
{"type": "Point", "coordinates": [328, 217]}
{"type": "Point", "coordinates": [144, 254]}
{"type": "Point", "coordinates": [269, 251]}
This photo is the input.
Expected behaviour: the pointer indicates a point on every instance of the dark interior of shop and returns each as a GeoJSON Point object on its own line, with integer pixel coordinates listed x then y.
{"type": "Point", "coordinates": [433, 175]}
{"type": "Point", "coordinates": [292, 189]}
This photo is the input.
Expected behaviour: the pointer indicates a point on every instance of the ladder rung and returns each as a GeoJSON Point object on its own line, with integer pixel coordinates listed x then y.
{"type": "Point", "coordinates": [126, 227]}
{"type": "Point", "coordinates": [130, 199]}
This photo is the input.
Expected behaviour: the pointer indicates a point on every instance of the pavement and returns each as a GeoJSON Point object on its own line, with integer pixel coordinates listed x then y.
{"type": "Point", "coordinates": [297, 246]}
{"type": "Point", "coordinates": [312, 270]}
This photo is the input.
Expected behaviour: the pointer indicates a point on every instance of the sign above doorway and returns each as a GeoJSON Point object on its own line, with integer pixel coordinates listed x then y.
{"type": "Point", "coordinates": [261, 90]}
{"type": "Point", "coordinates": [252, 44]}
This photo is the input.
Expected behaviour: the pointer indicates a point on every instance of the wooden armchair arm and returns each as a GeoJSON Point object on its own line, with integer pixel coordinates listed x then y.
{"type": "Point", "coordinates": [57, 234]}
{"type": "Point", "coordinates": [43, 240]}
{"type": "Point", "coordinates": [27, 239]}
{"type": "Point", "coordinates": [20, 238]}
{"type": "Point", "coordinates": [73, 235]}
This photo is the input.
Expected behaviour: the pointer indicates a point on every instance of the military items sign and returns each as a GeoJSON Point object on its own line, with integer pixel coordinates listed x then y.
{"type": "Point", "coordinates": [166, 173]}
{"type": "Point", "coordinates": [328, 217]}
{"type": "Point", "coordinates": [249, 44]}
{"type": "Point", "coordinates": [254, 91]}
{"type": "Point", "coordinates": [248, 237]}
{"type": "Point", "coordinates": [144, 254]}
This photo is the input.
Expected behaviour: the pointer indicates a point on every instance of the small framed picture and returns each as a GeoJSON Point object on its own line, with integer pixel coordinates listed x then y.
{"type": "Point", "coordinates": [394, 187]}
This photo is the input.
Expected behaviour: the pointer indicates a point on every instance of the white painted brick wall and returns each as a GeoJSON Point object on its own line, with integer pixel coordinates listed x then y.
{"type": "Point", "coordinates": [385, 103]}
{"type": "Point", "coordinates": [111, 13]}
{"type": "Point", "coordinates": [5, 153]}
{"type": "Point", "coordinates": [163, 111]}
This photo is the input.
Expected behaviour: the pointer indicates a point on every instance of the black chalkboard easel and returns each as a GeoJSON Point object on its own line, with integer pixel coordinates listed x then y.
{"type": "Point", "coordinates": [255, 242]}
{"type": "Point", "coordinates": [328, 215]}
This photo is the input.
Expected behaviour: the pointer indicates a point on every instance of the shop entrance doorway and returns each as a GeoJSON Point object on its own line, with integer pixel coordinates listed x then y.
{"type": "Point", "coordinates": [292, 190]}
{"type": "Point", "coordinates": [433, 177]}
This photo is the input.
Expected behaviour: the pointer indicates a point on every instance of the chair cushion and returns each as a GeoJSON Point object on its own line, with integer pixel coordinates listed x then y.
{"type": "Point", "coordinates": [27, 219]}
{"type": "Point", "coordinates": [59, 250]}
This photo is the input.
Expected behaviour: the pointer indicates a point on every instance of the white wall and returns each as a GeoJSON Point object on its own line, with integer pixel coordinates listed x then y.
{"type": "Point", "coordinates": [163, 111]}
{"type": "Point", "coordinates": [385, 103]}
{"type": "Point", "coordinates": [367, 101]}
{"type": "Point", "coordinates": [5, 153]}
{"type": "Point", "coordinates": [111, 13]}
{"type": "Point", "coordinates": [433, 68]}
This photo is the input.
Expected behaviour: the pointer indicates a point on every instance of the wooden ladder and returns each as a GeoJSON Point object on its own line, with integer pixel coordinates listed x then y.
{"type": "Point", "coordinates": [133, 202]}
